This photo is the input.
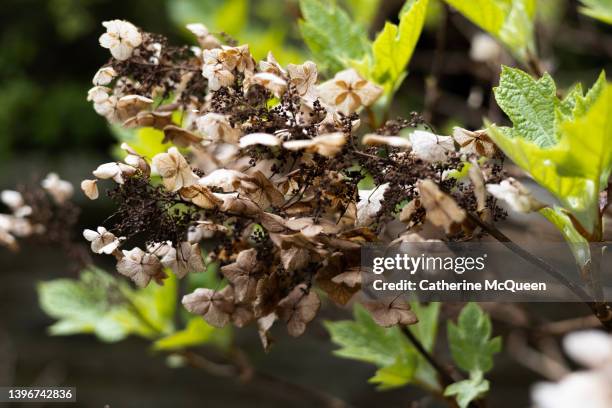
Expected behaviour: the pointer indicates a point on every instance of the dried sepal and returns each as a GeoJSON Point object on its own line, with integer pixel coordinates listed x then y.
{"type": "Point", "coordinates": [214, 306]}
{"type": "Point", "coordinates": [372, 139]}
{"type": "Point", "coordinates": [121, 38]}
{"type": "Point", "coordinates": [90, 189]}
{"type": "Point", "coordinates": [298, 308]}
{"type": "Point", "coordinates": [518, 197]}
{"type": "Point", "coordinates": [141, 267]}
{"type": "Point", "coordinates": [430, 147]}
{"type": "Point", "coordinates": [326, 145]}
{"type": "Point", "coordinates": [474, 142]}
{"type": "Point", "coordinates": [348, 91]}
{"type": "Point", "coordinates": [442, 210]}
{"type": "Point", "coordinates": [174, 170]}
{"type": "Point", "coordinates": [184, 259]}
{"type": "Point", "coordinates": [131, 105]}
{"type": "Point", "coordinates": [263, 139]}
{"type": "Point", "coordinates": [388, 314]}
{"type": "Point", "coordinates": [242, 274]}
{"type": "Point", "coordinates": [180, 137]}
{"type": "Point", "coordinates": [60, 190]}
{"type": "Point", "coordinates": [157, 120]}
{"type": "Point", "coordinates": [200, 196]}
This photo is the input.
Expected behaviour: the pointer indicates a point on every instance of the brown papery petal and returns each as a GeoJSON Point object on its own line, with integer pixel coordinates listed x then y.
{"type": "Point", "coordinates": [390, 314]}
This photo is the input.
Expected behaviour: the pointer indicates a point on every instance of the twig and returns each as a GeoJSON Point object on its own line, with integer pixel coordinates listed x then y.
{"type": "Point", "coordinates": [569, 325]}
{"type": "Point", "coordinates": [236, 367]}
{"type": "Point", "coordinates": [447, 377]}
{"type": "Point", "coordinates": [602, 310]}
{"type": "Point", "coordinates": [534, 360]}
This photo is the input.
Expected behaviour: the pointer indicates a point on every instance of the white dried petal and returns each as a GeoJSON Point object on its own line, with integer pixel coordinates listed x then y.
{"type": "Point", "coordinates": [264, 139]}
{"type": "Point", "coordinates": [104, 76]}
{"type": "Point", "coordinates": [90, 189]}
{"type": "Point", "coordinates": [60, 190]}
{"type": "Point", "coordinates": [517, 196]}
{"type": "Point", "coordinates": [271, 82]}
{"type": "Point", "coordinates": [217, 127]}
{"type": "Point", "coordinates": [98, 94]}
{"type": "Point", "coordinates": [102, 241]}
{"type": "Point", "coordinates": [588, 389]}
{"type": "Point", "coordinates": [370, 203]}
{"type": "Point", "coordinates": [121, 38]}
{"type": "Point", "coordinates": [372, 139]}
{"type": "Point", "coordinates": [591, 348]}
{"type": "Point", "coordinates": [431, 147]}
{"type": "Point", "coordinates": [13, 199]}
{"type": "Point", "coordinates": [225, 179]}
{"type": "Point", "coordinates": [328, 144]}
{"type": "Point", "coordinates": [109, 170]}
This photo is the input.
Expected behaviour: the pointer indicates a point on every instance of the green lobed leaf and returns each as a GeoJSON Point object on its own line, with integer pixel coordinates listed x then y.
{"type": "Point", "coordinates": [468, 390]}
{"type": "Point", "coordinates": [331, 35]}
{"type": "Point", "coordinates": [598, 9]}
{"type": "Point", "coordinates": [572, 167]}
{"type": "Point", "coordinates": [398, 361]}
{"type": "Point", "coordinates": [510, 21]}
{"type": "Point", "coordinates": [529, 104]}
{"type": "Point", "coordinates": [470, 340]}
{"type": "Point", "coordinates": [91, 304]}
{"type": "Point", "coordinates": [393, 47]}
{"type": "Point", "coordinates": [364, 340]}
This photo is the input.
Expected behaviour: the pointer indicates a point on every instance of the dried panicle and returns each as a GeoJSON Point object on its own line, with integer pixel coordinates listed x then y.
{"type": "Point", "coordinates": [268, 173]}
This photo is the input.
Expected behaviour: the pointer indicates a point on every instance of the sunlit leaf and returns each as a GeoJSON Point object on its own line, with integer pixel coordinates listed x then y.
{"type": "Point", "coordinates": [599, 9]}
{"type": "Point", "coordinates": [394, 46]}
{"type": "Point", "coordinates": [331, 35]}
{"type": "Point", "coordinates": [510, 21]}
{"type": "Point", "coordinates": [557, 154]}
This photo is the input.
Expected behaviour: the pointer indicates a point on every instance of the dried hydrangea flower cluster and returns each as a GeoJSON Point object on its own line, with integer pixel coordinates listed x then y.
{"type": "Point", "coordinates": [43, 211]}
{"type": "Point", "coordinates": [265, 174]}
{"type": "Point", "coordinates": [588, 388]}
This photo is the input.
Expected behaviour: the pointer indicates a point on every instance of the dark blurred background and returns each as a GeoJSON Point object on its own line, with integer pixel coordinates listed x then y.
{"type": "Point", "coordinates": [48, 54]}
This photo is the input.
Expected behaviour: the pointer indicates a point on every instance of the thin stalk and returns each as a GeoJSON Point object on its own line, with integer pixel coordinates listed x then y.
{"type": "Point", "coordinates": [447, 377]}
{"type": "Point", "coordinates": [602, 310]}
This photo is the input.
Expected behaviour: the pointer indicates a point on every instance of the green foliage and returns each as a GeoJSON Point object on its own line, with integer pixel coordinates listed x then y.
{"type": "Point", "coordinates": [197, 332]}
{"type": "Point", "coordinates": [393, 47]}
{"type": "Point", "coordinates": [100, 304]}
{"type": "Point", "coordinates": [331, 35]}
{"type": "Point", "coordinates": [263, 27]}
{"type": "Point", "coordinates": [230, 16]}
{"type": "Point", "coordinates": [548, 141]}
{"type": "Point", "coordinates": [510, 21]}
{"type": "Point", "coordinates": [399, 363]}
{"type": "Point", "coordinates": [472, 349]}
{"type": "Point", "coordinates": [577, 243]}
{"type": "Point", "coordinates": [146, 141]}
{"type": "Point", "coordinates": [470, 340]}
{"type": "Point", "coordinates": [599, 9]}
{"type": "Point", "coordinates": [468, 390]}
{"type": "Point", "coordinates": [530, 105]}
{"type": "Point", "coordinates": [363, 11]}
